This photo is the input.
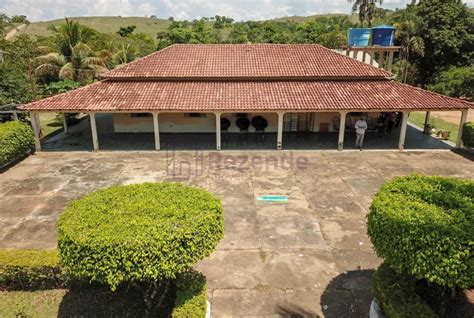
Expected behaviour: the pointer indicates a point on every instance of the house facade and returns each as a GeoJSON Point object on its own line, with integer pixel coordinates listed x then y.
{"type": "Point", "coordinates": [240, 89]}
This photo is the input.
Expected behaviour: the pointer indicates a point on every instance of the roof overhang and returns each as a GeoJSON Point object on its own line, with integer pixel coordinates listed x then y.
{"type": "Point", "coordinates": [245, 96]}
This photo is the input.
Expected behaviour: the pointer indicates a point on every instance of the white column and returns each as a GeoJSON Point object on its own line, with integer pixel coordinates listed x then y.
{"type": "Point", "coordinates": [156, 129]}
{"type": "Point", "coordinates": [218, 130]}
{"type": "Point", "coordinates": [15, 115]}
{"type": "Point", "coordinates": [281, 115]}
{"type": "Point", "coordinates": [403, 131]}
{"type": "Point", "coordinates": [35, 124]}
{"type": "Point", "coordinates": [382, 59]}
{"type": "Point", "coordinates": [461, 125]}
{"type": "Point", "coordinates": [95, 138]}
{"type": "Point", "coordinates": [65, 123]}
{"type": "Point", "coordinates": [342, 130]}
{"type": "Point", "coordinates": [390, 61]}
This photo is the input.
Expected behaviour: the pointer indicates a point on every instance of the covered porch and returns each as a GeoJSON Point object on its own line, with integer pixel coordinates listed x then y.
{"type": "Point", "coordinates": [311, 137]}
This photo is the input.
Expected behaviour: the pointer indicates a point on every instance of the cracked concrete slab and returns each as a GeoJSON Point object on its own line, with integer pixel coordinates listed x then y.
{"type": "Point", "coordinates": [308, 257]}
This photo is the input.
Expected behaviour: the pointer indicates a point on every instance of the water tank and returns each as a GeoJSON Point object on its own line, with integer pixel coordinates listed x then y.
{"type": "Point", "coordinates": [358, 36]}
{"type": "Point", "coordinates": [383, 35]}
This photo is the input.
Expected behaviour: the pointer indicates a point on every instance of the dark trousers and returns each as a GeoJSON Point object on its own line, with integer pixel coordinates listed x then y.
{"type": "Point", "coordinates": [390, 125]}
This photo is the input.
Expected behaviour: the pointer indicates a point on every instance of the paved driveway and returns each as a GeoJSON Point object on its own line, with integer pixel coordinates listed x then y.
{"type": "Point", "coordinates": [307, 257]}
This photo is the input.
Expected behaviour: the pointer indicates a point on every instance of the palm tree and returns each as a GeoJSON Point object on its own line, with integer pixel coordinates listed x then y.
{"type": "Point", "coordinates": [82, 65]}
{"type": "Point", "coordinates": [74, 60]}
{"type": "Point", "coordinates": [366, 9]}
{"type": "Point", "coordinates": [410, 43]}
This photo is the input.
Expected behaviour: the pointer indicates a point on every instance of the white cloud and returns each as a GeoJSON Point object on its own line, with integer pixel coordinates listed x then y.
{"type": "Point", "coordinates": [181, 9]}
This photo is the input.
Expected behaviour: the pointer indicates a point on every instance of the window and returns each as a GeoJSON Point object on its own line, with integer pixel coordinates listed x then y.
{"type": "Point", "coordinates": [139, 115]}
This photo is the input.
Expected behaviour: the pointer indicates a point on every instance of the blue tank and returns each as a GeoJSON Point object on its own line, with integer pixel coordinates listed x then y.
{"type": "Point", "coordinates": [358, 36]}
{"type": "Point", "coordinates": [383, 35]}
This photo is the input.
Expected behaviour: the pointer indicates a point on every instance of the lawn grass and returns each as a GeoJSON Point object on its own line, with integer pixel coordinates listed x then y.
{"type": "Point", "coordinates": [50, 123]}
{"type": "Point", "coordinates": [418, 119]}
{"type": "Point", "coordinates": [44, 303]}
{"type": "Point", "coordinates": [90, 301]}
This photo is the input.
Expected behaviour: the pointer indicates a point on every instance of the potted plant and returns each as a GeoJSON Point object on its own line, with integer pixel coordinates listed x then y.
{"type": "Point", "coordinates": [428, 129]}
{"type": "Point", "coordinates": [443, 134]}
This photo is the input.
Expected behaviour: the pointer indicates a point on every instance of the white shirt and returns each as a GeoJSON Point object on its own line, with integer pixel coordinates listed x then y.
{"type": "Point", "coordinates": [361, 126]}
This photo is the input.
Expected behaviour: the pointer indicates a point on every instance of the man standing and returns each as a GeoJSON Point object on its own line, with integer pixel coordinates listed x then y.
{"type": "Point", "coordinates": [361, 127]}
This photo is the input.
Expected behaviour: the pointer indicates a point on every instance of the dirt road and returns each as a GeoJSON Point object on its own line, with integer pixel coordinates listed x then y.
{"type": "Point", "coordinates": [14, 31]}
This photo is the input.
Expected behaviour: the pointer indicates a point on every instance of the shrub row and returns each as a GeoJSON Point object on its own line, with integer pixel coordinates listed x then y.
{"type": "Point", "coordinates": [190, 295]}
{"type": "Point", "coordinates": [139, 232]}
{"type": "Point", "coordinates": [424, 226]}
{"type": "Point", "coordinates": [16, 139]}
{"type": "Point", "coordinates": [397, 295]}
{"type": "Point", "coordinates": [30, 269]}
{"type": "Point", "coordinates": [468, 134]}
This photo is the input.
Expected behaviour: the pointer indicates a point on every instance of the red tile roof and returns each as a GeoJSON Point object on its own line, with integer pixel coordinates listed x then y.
{"type": "Point", "coordinates": [246, 96]}
{"type": "Point", "coordinates": [246, 61]}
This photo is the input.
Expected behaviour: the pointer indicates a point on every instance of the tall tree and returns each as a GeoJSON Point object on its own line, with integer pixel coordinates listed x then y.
{"type": "Point", "coordinates": [447, 29]}
{"type": "Point", "coordinates": [406, 23]}
{"type": "Point", "coordinates": [367, 10]}
{"type": "Point", "coordinates": [81, 66]}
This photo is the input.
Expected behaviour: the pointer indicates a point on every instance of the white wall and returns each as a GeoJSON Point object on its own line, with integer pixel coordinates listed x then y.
{"type": "Point", "coordinates": [124, 122]}
{"type": "Point", "coordinates": [180, 123]}
{"type": "Point", "coordinates": [325, 118]}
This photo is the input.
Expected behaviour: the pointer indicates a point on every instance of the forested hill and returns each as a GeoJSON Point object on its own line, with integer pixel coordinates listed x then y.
{"type": "Point", "coordinates": [147, 25]}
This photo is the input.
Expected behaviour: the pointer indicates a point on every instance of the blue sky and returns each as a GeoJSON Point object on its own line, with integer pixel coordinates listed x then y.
{"type": "Point", "coordinates": [184, 9]}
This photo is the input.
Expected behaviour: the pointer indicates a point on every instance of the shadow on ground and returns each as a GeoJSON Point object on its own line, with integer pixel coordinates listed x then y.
{"type": "Point", "coordinates": [100, 301]}
{"type": "Point", "coordinates": [348, 295]}
{"type": "Point", "coordinates": [295, 311]}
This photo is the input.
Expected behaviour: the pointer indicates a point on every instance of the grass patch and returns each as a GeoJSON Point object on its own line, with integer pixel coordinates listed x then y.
{"type": "Point", "coordinates": [418, 119]}
{"type": "Point", "coordinates": [44, 303]}
{"type": "Point", "coordinates": [90, 301]}
{"type": "Point", "coordinates": [50, 123]}
{"type": "Point", "coordinates": [149, 26]}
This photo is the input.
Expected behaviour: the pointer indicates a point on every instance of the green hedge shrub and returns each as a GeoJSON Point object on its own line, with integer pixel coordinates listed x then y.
{"type": "Point", "coordinates": [468, 134]}
{"type": "Point", "coordinates": [397, 295]}
{"type": "Point", "coordinates": [139, 233]}
{"type": "Point", "coordinates": [16, 139]}
{"type": "Point", "coordinates": [30, 269]}
{"type": "Point", "coordinates": [424, 226]}
{"type": "Point", "coordinates": [190, 295]}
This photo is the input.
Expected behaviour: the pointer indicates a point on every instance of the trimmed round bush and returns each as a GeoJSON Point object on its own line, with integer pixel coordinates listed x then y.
{"type": "Point", "coordinates": [139, 233]}
{"type": "Point", "coordinates": [16, 139]}
{"type": "Point", "coordinates": [424, 226]}
{"type": "Point", "coordinates": [468, 134]}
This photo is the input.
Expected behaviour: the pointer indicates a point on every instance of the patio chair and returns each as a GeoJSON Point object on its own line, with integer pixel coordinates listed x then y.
{"type": "Point", "coordinates": [225, 124]}
{"type": "Point", "coordinates": [259, 123]}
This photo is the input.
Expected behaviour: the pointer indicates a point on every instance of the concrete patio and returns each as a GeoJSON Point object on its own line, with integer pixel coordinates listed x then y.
{"type": "Point", "coordinates": [79, 138]}
{"type": "Point", "coordinates": [310, 256]}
